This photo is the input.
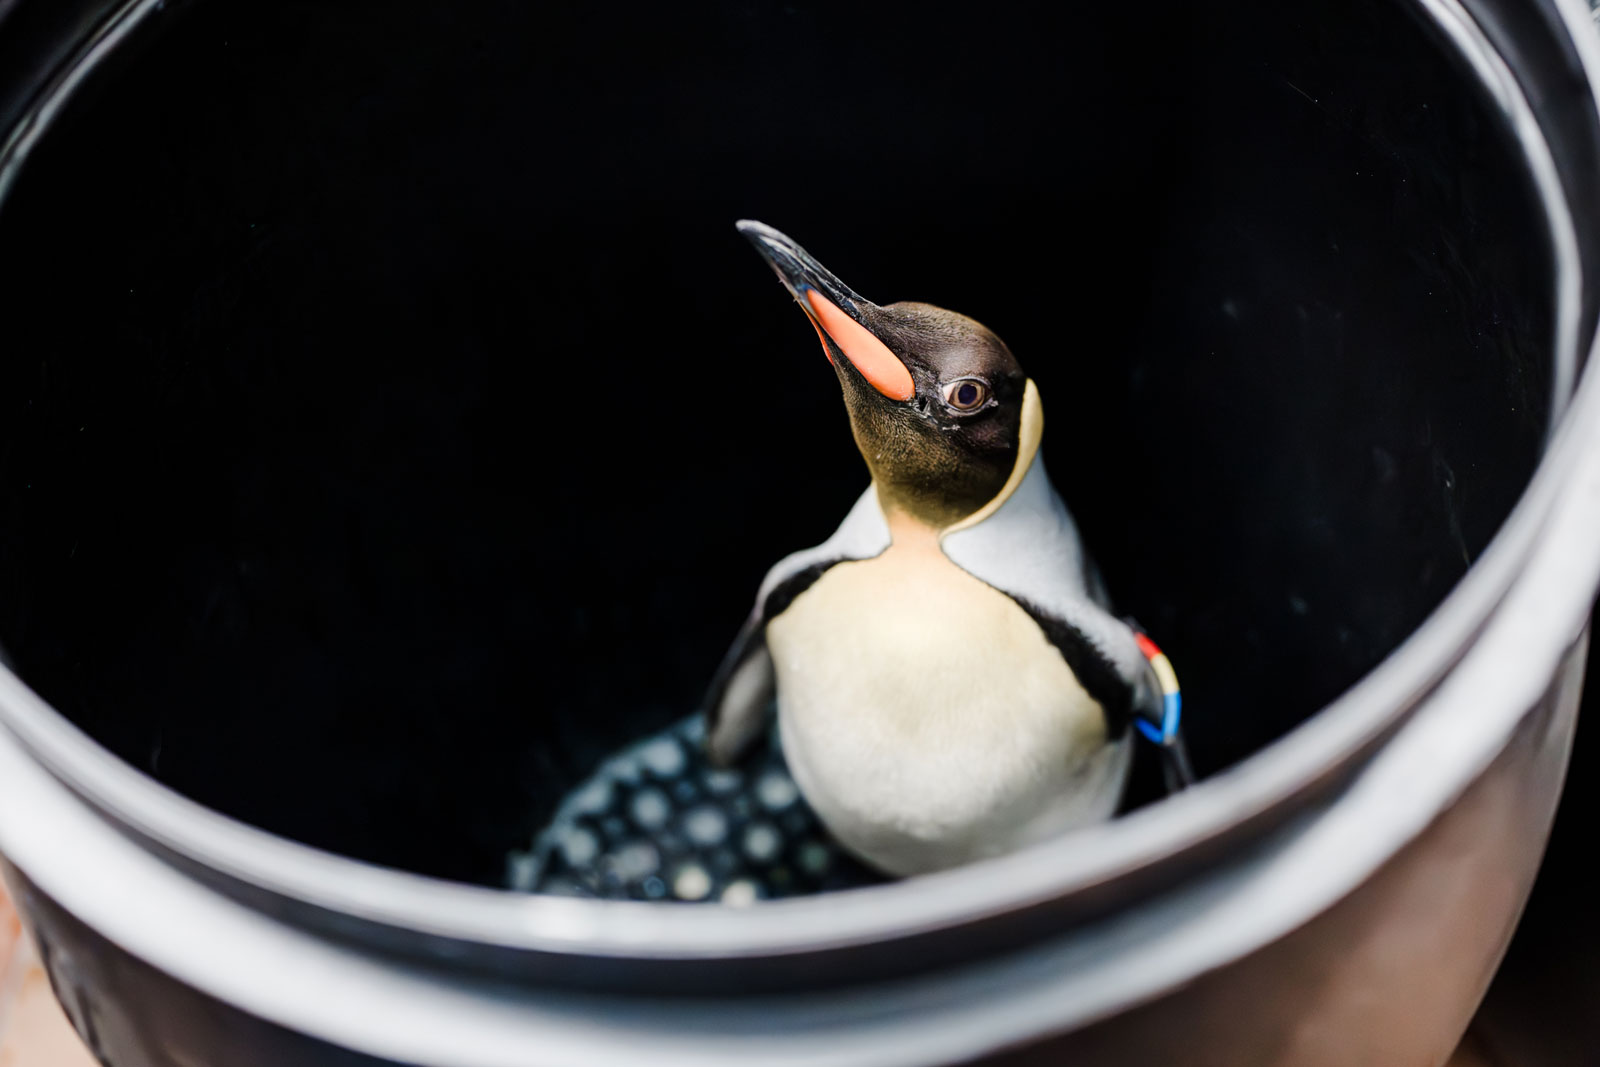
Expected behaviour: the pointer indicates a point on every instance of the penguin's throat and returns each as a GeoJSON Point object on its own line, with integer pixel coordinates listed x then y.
{"type": "Point", "coordinates": [934, 488]}
{"type": "Point", "coordinates": [923, 474]}
{"type": "Point", "coordinates": [934, 500]}
{"type": "Point", "coordinates": [908, 532]}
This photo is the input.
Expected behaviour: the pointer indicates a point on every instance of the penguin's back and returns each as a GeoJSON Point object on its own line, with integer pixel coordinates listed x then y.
{"type": "Point", "coordinates": [930, 720]}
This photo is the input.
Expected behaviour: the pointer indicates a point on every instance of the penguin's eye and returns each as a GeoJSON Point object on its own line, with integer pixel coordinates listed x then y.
{"type": "Point", "coordinates": [966, 394]}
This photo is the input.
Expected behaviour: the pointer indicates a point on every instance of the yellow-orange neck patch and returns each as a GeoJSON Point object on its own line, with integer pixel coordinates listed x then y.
{"type": "Point", "coordinates": [1029, 433]}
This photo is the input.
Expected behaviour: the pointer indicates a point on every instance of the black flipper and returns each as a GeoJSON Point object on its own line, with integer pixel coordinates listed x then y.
{"type": "Point", "coordinates": [738, 702]}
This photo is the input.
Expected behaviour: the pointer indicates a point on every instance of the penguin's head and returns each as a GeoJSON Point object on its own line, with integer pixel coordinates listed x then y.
{"type": "Point", "coordinates": [935, 399]}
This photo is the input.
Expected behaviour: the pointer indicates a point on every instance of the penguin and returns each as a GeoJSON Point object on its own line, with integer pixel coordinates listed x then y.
{"type": "Point", "coordinates": [946, 674]}
{"type": "Point", "coordinates": [950, 682]}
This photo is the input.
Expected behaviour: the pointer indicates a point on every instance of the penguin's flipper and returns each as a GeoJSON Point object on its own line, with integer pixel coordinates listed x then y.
{"type": "Point", "coordinates": [1027, 546]}
{"type": "Point", "coordinates": [1089, 639]}
{"type": "Point", "coordinates": [741, 692]}
{"type": "Point", "coordinates": [1162, 724]}
{"type": "Point", "coordinates": [742, 689]}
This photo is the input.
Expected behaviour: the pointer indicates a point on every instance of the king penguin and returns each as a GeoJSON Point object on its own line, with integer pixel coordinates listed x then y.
{"type": "Point", "coordinates": [950, 681]}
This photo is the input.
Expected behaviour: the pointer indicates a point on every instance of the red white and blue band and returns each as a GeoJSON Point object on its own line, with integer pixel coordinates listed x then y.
{"type": "Point", "coordinates": [1171, 697]}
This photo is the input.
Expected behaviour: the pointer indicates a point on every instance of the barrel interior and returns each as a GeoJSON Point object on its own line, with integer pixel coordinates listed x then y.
{"type": "Point", "coordinates": [392, 423]}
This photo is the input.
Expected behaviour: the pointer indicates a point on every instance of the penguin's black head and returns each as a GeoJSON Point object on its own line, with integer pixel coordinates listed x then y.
{"type": "Point", "coordinates": [935, 399]}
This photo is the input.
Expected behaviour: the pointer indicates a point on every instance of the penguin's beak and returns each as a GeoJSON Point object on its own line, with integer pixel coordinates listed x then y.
{"type": "Point", "coordinates": [834, 310]}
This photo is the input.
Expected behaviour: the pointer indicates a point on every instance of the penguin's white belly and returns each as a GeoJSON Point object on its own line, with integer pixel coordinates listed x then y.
{"type": "Point", "coordinates": [928, 720]}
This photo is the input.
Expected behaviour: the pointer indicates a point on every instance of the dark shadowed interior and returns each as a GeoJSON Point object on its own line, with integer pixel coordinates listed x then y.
{"type": "Point", "coordinates": [392, 423]}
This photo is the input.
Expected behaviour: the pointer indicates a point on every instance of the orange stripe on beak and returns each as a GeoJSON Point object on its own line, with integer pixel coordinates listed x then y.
{"type": "Point", "coordinates": [880, 367]}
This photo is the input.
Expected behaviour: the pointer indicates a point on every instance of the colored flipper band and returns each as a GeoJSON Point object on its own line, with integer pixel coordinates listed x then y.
{"type": "Point", "coordinates": [1171, 697]}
